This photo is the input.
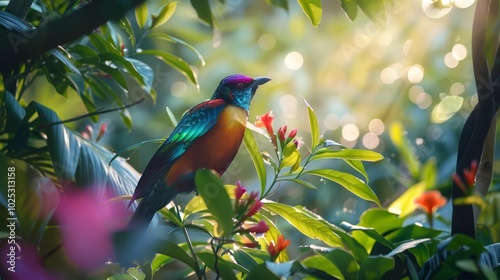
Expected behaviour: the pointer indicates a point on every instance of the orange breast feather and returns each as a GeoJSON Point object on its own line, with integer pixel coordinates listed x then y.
{"type": "Point", "coordinates": [214, 150]}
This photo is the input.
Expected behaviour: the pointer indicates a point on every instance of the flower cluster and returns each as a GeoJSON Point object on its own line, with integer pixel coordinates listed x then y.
{"type": "Point", "coordinates": [245, 208]}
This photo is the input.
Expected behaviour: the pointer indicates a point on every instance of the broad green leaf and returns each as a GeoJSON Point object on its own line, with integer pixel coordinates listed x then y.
{"type": "Point", "coordinates": [159, 261]}
{"type": "Point", "coordinates": [177, 63]}
{"type": "Point", "coordinates": [358, 166]}
{"type": "Point", "coordinates": [64, 57]}
{"type": "Point", "coordinates": [203, 10]}
{"type": "Point", "coordinates": [301, 182]}
{"type": "Point", "coordinates": [253, 151]}
{"type": "Point", "coordinates": [313, 123]}
{"type": "Point", "coordinates": [350, 8]}
{"type": "Point", "coordinates": [15, 112]}
{"type": "Point", "coordinates": [472, 200]}
{"type": "Point", "coordinates": [314, 228]}
{"type": "Point", "coordinates": [348, 181]}
{"type": "Point", "coordinates": [344, 261]}
{"type": "Point", "coordinates": [313, 10]}
{"type": "Point", "coordinates": [374, 267]}
{"type": "Point", "coordinates": [370, 232]}
{"type": "Point", "coordinates": [404, 205]}
{"type": "Point", "coordinates": [261, 272]}
{"type": "Point", "coordinates": [223, 267]}
{"type": "Point", "coordinates": [406, 246]}
{"type": "Point", "coordinates": [83, 51]}
{"type": "Point", "coordinates": [375, 11]}
{"type": "Point", "coordinates": [172, 39]}
{"type": "Point", "coordinates": [146, 73]}
{"type": "Point", "coordinates": [141, 14]}
{"type": "Point", "coordinates": [244, 259]}
{"type": "Point", "coordinates": [169, 248]}
{"type": "Point", "coordinates": [211, 189]}
{"type": "Point", "coordinates": [352, 154]}
{"type": "Point", "coordinates": [166, 12]}
{"type": "Point", "coordinates": [102, 45]}
{"type": "Point", "coordinates": [321, 262]}
{"type": "Point", "coordinates": [127, 65]}
{"type": "Point", "coordinates": [399, 139]}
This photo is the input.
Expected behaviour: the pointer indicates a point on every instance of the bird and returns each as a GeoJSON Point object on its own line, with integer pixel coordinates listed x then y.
{"type": "Point", "coordinates": [207, 136]}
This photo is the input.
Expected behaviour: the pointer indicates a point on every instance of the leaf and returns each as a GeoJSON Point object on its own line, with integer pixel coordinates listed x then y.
{"type": "Point", "coordinates": [350, 8]}
{"type": "Point", "coordinates": [169, 248]}
{"type": "Point", "coordinates": [375, 11]}
{"type": "Point", "coordinates": [313, 10]}
{"type": "Point", "coordinates": [406, 246]}
{"type": "Point", "coordinates": [358, 166]}
{"type": "Point", "coordinates": [348, 181]}
{"type": "Point", "coordinates": [141, 14]}
{"type": "Point", "coordinates": [177, 63]}
{"type": "Point", "coordinates": [258, 161]}
{"type": "Point", "coordinates": [102, 45]}
{"type": "Point", "coordinates": [291, 157]}
{"type": "Point", "coordinates": [351, 154]}
{"type": "Point", "coordinates": [279, 3]}
{"type": "Point", "coordinates": [166, 12]}
{"type": "Point", "coordinates": [399, 139]}
{"type": "Point", "coordinates": [127, 64]}
{"type": "Point", "coordinates": [314, 228]}
{"type": "Point", "coordinates": [321, 262]}
{"type": "Point", "coordinates": [374, 267]}
{"type": "Point", "coordinates": [63, 56]}
{"type": "Point", "coordinates": [404, 205]}
{"type": "Point", "coordinates": [211, 189]}
{"type": "Point", "coordinates": [124, 24]}
{"type": "Point", "coordinates": [203, 10]}
{"type": "Point", "coordinates": [372, 233]}
{"type": "Point", "coordinates": [176, 40]}
{"type": "Point", "coordinates": [313, 123]}
{"type": "Point", "coordinates": [127, 118]}
{"type": "Point", "coordinates": [301, 182]}
{"type": "Point", "coordinates": [223, 268]}
{"type": "Point", "coordinates": [261, 272]}
{"type": "Point", "coordinates": [171, 117]}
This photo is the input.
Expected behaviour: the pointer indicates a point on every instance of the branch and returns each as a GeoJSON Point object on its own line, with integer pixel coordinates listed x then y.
{"type": "Point", "coordinates": [18, 48]}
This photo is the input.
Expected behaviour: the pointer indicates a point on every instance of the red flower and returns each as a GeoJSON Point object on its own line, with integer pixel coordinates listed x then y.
{"type": "Point", "coordinates": [292, 134]}
{"type": "Point", "coordinates": [266, 121]}
{"type": "Point", "coordinates": [430, 201]}
{"type": "Point", "coordinates": [254, 208]}
{"type": "Point", "coordinates": [260, 227]}
{"type": "Point", "coordinates": [470, 174]}
{"type": "Point", "coordinates": [102, 130]}
{"type": "Point", "coordinates": [275, 249]}
{"type": "Point", "coordinates": [239, 191]}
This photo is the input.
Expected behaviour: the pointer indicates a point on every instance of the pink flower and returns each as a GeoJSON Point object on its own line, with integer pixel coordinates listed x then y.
{"type": "Point", "coordinates": [292, 134]}
{"type": "Point", "coordinates": [239, 191]}
{"type": "Point", "coordinates": [102, 129]}
{"type": "Point", "coordinates": [260, 227]}
{"type": "Point", "coordinates": [88, 224]}
{"type": "Point", "coordinates": [254, 208]}
{"type": "Point", "coordinates": [281, 133]}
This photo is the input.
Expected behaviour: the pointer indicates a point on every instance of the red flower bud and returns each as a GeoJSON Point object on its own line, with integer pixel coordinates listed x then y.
{"type": "Point", "coordinates": [470, 174]}
{"type": "Point", "coordinates": [239, 191]}
{"type": "Point", "coordinates": [292, 134]}
{"type": "Point", "coordinates": [254, 208]}
{"type": "Point", "coordinates": [260, 227]}
{"type": "Point", "coordinates": [281, 133]}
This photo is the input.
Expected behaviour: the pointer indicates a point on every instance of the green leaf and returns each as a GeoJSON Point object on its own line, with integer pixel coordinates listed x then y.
{"type": "Point", "coordinates": [321, 262]}
{"type": "Point", "coordinates": [348, 181]}
{"type": "Point", "coordinates": [313, 10]}
{"type": "Point", "coordinates": [344, 261]}
{"type": "Point", "coordinates": [171, 117]}
{"type": "Point", "coordinates": [350, 8]}
{"type": "Point", "coordinates": [177, 63]}
{"type": "Point", "coordinates": [261, 272]}
{"type": "Point", "coordinates": [203, 10]}
{"type": "Point", "coordinates": [279, 3]}
{"type": "Point", "coordinates": [102, 45]}
{"type": "Point", "coordinates": [258, 161]}
{"type": "Point", "coordinates": [64, 57]}
{"type": "Point", "coordinates": [375, 267]}
{"type": "Point", "coordinates": [127, 65]}
{"type": "Point", "coordinates": [172, 39]}
{"type": "Point", "coordinates": [166, 12]}
{"type": "Point", "coordinates": [291, 157]}
{"type": "Point", "coordinates": [301, 182]}
{"type": "Point", "coordinates": [173, 250]}
{"type": "Point", "coordinates": [352, 154]}
{"type": "Point", "coordinates": [124, 24]}
{"type": "Point", "coordinates": [375, 11]}
{"type": "Point", "coordinates": [211, 189]}
{"type": "Point", "coordinates": [313, 123]}
{"type": "Point", "coordinates": [141, 14]}
{"type": "Point", "coordinates": [221, 266]}
{"type": "Point", "coordinates": [370, 232]}
{"type": "Point", "coordinates": [358, 166]}
{"type": "Point", "coordinates": [159, 261]}
{"type": "Point", "coordinates": [127, 118]}
{"type": "Point", "coordinates": [312, 227]}
{"type": "Point", "coordinates": [406, 246]}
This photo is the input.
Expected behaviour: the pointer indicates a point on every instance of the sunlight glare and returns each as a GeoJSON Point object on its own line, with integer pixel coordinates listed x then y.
{"type": "Point", "coordinates": [416, 74]}
{"type": "Point", "coordinates": [459, 52]}
{"type": "Point", "coordinates": [371, 140]}
{"type": "Point", "coordinates": [350, 132]}
{"type": "Point", "coordinates": [450, 60]}
{"type": "Point", "coordinates": [376, 126]}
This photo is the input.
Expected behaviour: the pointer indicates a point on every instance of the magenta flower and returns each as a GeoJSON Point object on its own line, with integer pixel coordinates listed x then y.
{"type": "Point", "coordinates": [260, 227]}
{"type": "Point", "coordinates": [254, 208]}
{"type": "Point", "coordinates": [239, 191]}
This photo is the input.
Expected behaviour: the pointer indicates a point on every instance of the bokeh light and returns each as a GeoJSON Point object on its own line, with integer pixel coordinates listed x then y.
{"type": "Point", "coordinates": [288, 105]}
{"type": "Point", "coordinates": [416, 74]}
{"type": "Point", "coordinates": [463, 4]}
{"type": "Point", "coordinates": [457, 89]}
{"type": "Point", "coordinates": [294, 60]}
{"type": "Point", "coordinates": [332, 122]}
{"type": "Point", "coordinates": [178, 89]}
{"type": "Point", "coordinates": [459, 52]}
{"type": "Point", "coordinates": [376, 126]}
{"type": "Point", "coordinates": [450, 61]}
{"type": "Point", "coordinates": [436, 9]}
{"type": "Point", "coordinates": [370, 140]}
{"type": "Point", "coordinates": [350, 132]}
{"type": "Point", "coordinates": [389, 75]}
{"type": "Point", "coordinates": [267, 41]}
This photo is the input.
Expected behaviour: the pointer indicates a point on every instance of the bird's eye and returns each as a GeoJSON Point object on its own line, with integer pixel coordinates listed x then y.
{"type": "Point", "coordinates": [240, 85]}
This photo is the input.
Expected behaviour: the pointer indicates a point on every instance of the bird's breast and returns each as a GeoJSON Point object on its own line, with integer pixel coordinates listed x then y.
{"type": "Point", "coordinates": [215, 150]}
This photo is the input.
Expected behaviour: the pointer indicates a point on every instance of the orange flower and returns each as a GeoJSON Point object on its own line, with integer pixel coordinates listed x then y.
{"type": "Point", "coordinates": [275, 249]}
{"type": "Point", "coordinates": [430, 201]}
{"type": "Point", "coordinates": [266, 121]}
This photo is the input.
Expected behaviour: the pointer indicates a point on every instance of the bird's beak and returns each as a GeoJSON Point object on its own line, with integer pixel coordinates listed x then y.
{"type": "Point", "coordinates": [259, 81]}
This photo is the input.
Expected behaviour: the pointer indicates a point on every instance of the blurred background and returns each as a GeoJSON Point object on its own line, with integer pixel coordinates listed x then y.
{"type": "Point", "coordinates": [358, 77]}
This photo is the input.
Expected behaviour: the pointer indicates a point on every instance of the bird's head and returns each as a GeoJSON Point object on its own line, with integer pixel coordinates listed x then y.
{"type": "Point", "coordinates": [238, 89]}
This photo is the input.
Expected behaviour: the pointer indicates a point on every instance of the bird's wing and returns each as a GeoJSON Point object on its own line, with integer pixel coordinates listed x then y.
{"type": "Point", "coordinates": [194, 124]}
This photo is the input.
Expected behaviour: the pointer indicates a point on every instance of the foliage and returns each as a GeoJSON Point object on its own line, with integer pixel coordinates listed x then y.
{"type": "Point", "coordinates": [226, 231]}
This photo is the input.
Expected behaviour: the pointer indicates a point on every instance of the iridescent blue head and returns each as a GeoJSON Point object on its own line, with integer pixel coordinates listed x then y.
{"type": "Point", "coordinates": [238, 89]}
